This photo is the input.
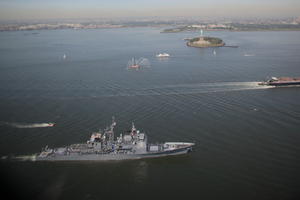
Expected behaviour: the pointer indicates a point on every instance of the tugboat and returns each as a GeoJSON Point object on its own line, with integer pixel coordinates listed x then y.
{"type": "Point", "coordinates": [103, 147]}
{"type": "Point", "coordinates": [133, 64]}
{"type": "Point", "coordinates": [138, 63]}
{"type": "Point", "coordinates": [282, 81]}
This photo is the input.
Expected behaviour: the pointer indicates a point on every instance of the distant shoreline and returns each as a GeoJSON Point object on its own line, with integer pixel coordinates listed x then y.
{"type": "Point", "coordinates": [234, 27]}
{"type": "Point", "coordinates": [184, 28]}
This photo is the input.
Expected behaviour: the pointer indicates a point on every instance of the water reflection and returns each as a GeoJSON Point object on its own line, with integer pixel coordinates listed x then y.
{"type": "Point", "coordinates": [140, 172]}
{"type": "Point", "coordinates": [55, 189]}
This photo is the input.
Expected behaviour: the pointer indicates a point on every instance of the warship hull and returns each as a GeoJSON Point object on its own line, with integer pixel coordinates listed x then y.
{"type": "Point", "coordinates": [113, 156]}
{"type": "Point", "coordinates": [103, 147]}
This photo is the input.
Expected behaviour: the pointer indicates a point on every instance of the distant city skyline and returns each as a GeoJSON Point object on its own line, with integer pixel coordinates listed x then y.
{"type": "Point", "coordinates": [66, 9]}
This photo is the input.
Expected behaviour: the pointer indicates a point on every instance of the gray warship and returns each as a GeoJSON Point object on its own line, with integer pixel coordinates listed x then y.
{"type": "Point", "coordinates": [101, 146]}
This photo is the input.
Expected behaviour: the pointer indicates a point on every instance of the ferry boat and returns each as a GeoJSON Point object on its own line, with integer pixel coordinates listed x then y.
{"type": "Point", "coordinates": [163, 55]}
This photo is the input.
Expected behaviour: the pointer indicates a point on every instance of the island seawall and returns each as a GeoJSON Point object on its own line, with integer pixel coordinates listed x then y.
{"type": "Point", "coordinates": [203, 42]}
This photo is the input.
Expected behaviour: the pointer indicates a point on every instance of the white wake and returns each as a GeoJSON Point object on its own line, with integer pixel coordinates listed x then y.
{"type": "Point", "coordinates": [28, 125]}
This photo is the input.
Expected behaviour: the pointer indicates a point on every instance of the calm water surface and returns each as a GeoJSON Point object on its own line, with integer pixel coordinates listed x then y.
{"type": "Point", "coordinates": [247, 136]}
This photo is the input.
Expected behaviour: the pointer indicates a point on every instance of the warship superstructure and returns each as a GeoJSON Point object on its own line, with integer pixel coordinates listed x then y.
{"type": "Point", "coordinates": [102, 146]}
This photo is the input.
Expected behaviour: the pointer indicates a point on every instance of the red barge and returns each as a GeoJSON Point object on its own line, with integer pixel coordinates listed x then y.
{"type": "Point", "coordinates": [282, 81]}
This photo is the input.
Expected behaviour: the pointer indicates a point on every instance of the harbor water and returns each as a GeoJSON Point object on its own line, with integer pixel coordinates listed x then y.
{"type": "Point", "coordinates": [247, 136]}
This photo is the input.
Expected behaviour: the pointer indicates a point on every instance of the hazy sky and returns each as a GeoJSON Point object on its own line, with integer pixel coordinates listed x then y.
{"type": "Point", "coordinates": [49, 9]}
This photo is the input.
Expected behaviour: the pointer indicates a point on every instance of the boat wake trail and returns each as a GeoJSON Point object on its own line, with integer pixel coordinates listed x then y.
{"type": "Point", "coordinates": [198, 88]}
{"type": "Point", "coordinates": [27, 125]}
{"type": "Point", "coordinates": [20, 158]}
{"type": "Point", "coordinates": [217, 87]}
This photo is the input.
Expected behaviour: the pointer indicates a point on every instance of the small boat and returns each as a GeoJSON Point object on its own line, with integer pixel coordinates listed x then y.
{"type": "Point", "coordinates": [163, 55]}
{"type": "Point", "coordinates": [214, 52]}
{"type": "Point", "coordinates": [282, 81]}
{"type": "Point", "coordinates": [51, 124]}
{"type": "Point", "coordinates": [64, 56]}
{"type": "Point", "coordinates": [247, 55]}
